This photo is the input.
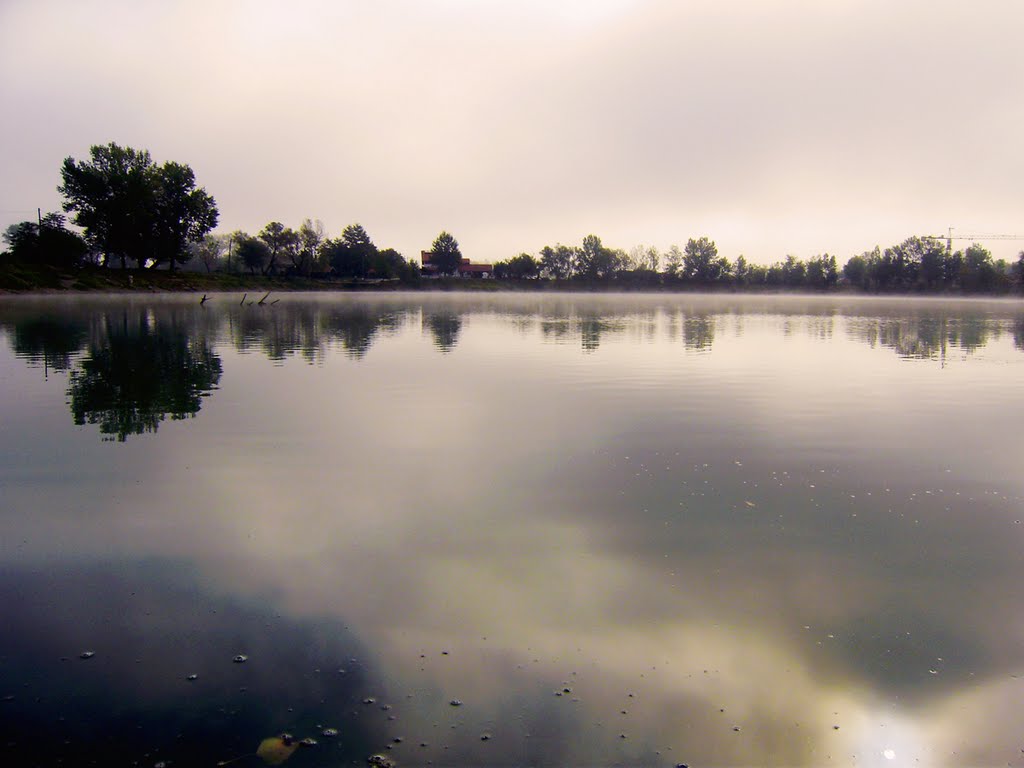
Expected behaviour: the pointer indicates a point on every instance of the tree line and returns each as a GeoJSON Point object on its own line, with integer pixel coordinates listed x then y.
{"type": "Point", "coordinates": [133, 211]}
{"type": "Point", "coordinates": [918, 264]}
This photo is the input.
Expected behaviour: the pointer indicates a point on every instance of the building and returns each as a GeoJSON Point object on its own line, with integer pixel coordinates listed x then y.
{"type": "Point", "coordinates": [466, 268]}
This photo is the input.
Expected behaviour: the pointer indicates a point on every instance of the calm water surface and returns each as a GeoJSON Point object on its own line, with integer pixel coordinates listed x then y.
{"type": "Point", "coordinates": [634, 530]}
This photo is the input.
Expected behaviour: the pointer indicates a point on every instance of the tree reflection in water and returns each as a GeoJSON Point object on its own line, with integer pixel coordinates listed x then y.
{"type": "Point", "coordinates": [141, 367]}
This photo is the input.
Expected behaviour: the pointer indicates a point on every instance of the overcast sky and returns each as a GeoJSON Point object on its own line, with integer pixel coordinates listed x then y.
{"type": "Point", "coordinates": [775, 128]}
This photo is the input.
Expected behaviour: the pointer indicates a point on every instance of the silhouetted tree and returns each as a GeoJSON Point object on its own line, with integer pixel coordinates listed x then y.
{"type": "Point", "coordinates": [445, 254]}
{"type": "Point", "coordinates": [183, 214]}
{"type": "Point", "coordinates": [520, 267]}
{"type": "Point", "coordinates": [557, 262]}
{"type": "Point", "coordinates": [674, 259]}
{"type": "Point", "coordinates": [280, 241]}
{"type": "Point", "coordinates": [594, 260]}
{"type": "Point", "coordinates": [210, 249]}
{"type": "Point", "coordinates": [311, 237]}
{"type": "Point", "coordinates": [46, 242]}
{"type": "Point", "coordinates": [978, 272]}
{"type": "Point", "coordinates": [131, 209]}
{"type": "Point", "coordinates": [700, 260]}
{"type": "Point", "coordinates": [112, 198]}
{"type": "Point", "coordinates": [253, 253]}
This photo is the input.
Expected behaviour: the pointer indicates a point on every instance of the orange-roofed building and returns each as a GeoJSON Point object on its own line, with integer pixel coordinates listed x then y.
{"type": "Point", "coordinates": [466, 268]}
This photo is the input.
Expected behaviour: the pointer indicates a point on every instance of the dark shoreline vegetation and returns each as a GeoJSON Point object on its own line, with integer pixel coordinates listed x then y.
{"type": "Point", "coordinates": [147, 227]}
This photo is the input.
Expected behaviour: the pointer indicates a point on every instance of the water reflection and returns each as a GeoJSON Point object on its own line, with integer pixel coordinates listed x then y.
{"type": "Point", "coordinates": [444, 326]}
{"type": "Point", "coordinates": [620, 530]}
{"type": "Point", "coordinates": [140, 367]}
{"type": "Point", "coordinates": [52, 341]}
{"type": "Point", "coordinates": [922, 329]}
{"type": "Point", "coordinates": [159, 684]}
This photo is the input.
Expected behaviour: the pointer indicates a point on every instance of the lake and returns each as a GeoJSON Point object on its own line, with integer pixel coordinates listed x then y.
{"type": "Point", "coordinates": [513, 529]}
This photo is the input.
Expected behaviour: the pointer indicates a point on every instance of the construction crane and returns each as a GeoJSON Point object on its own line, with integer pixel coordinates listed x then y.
{"type": "Point", "coordinates": [950, 237]}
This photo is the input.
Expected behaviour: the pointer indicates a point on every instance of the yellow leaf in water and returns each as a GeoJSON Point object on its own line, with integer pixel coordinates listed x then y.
{"type": "Point", "coordinates": [276, 750]}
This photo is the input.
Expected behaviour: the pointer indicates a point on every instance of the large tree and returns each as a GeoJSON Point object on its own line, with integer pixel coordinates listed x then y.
{"type": "Point", "coordinates": [131, 209]}
{"type": "Point", "coordinates": [353, 254]}
{"type": "Point", "coordinates": [594, 260]}
{"type": "Point", "coordinates": [182, 214]}
{"type": "Point", "coordinates": [112, 198]}
{"type": "Point", "coordinates": [252, 252]}
{"type": "Point", "coordinates": [311, 237]}
{"type": "Point", "coordinates": [280, 241]}
{"type": "Point", "coordinates": [445, 254]}
{"type": "Point", "coordinates": [700, 260]}
{"type": "Point", "coordinates": [557, 262]}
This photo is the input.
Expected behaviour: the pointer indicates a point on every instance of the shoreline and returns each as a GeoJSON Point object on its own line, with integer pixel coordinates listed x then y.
{"type": "Point", "coordinates": [22, 280]}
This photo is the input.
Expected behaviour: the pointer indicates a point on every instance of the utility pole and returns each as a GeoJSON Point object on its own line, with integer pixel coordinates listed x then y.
{"type": "Point", "coordinates": [39, 215]}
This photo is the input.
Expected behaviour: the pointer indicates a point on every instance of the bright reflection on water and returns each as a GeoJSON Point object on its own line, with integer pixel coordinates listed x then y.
{"type": "Point", "coordinates": [633, 530]}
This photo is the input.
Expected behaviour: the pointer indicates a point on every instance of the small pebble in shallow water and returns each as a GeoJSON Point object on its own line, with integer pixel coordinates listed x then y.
{"type": "Point", "coordinates": [455, 703]}
{"type": "Point", "coordinates": [485, 737]}
{"type": "Point", "coordinates": [736, 728]}
{"type": "Point", "coordinates": [329, 733]}
{"type": "Point", "coordinates": [240, 659]}
{"type": "Point", "coordinates": [192, 677]}
{"type": "Point", "coordinates": [381, 761]}
{"type": "Point", "coordinates": [309, 741]}
{"type": "Point", "coordinates": [86, 654]}
{"type": "Point", "coordinates": [369, 700]}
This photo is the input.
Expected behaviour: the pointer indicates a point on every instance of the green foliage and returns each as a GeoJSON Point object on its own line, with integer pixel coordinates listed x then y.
{"type": "Point", "coordinates": [594, 261]}
{"type": "Point", "coordinates": [557, 263]}
{"type": "Point", "coordinates": [700, 261]}
{"type": "Point", "coordinates": [132, 210]}
{"type": "Point", "coordinates": [281, 241]}
{"type": "Point", "coordinates": [674, 261]}
{"type": "Point", "coordinates": [253, 253]}
{"type": "Point", "coordinates": [183, 214]}
{"type": "Point", "coordinates": [311, 237]}
{"type": "Point", "coordinates": [352, 255]}
{"type": "Point", "coordinates": [445, 253]}
{"type": "Point", "coordinates": [520, 267]}
{"type": "Point", "coordinates": [48, 242]}
{"type": "Point", "coordinates": [741, 271]}
{"type": "Point", "coordinates": [389, 264]}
